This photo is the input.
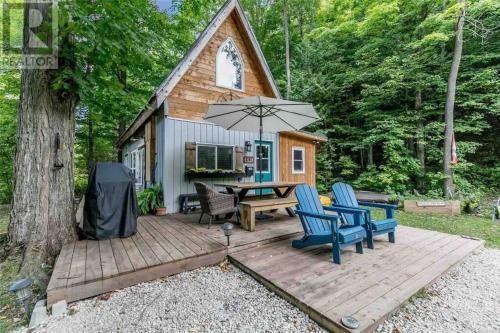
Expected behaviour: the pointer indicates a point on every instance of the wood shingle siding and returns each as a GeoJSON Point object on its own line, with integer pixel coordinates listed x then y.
{"type": "Point", "coordinates": [287, 142]}
{"type": "Point", "coordinates": [191, 96]}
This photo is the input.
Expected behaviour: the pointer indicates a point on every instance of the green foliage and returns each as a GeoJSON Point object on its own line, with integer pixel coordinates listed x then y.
{"type": "Point", "coordinates": [150, 199]}
{"type": "Point", "coordinates": [468, 225]}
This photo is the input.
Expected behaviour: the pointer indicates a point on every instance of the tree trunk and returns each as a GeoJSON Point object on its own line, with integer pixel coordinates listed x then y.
{"type": "Point", "coordinates": [42, 217]}
{"type": "Point", "coordinates": [90, 142]}
{"type": "Point", "coordinates": [287, 50]}
{"type": "Point", "coordinates": [450, 102]}
{"type": "Point", "coordinates": [420, 137]}
{"type": "Point", "coordinates": [121, 129]}
{"type": "Point", "coordinates": [370, 156]}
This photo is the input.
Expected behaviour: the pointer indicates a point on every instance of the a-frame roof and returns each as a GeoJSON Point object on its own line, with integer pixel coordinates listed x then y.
{"type": "Point", "coordinates": [178, 72]}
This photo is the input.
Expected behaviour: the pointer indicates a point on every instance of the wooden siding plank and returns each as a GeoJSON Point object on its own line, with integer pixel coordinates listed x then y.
{"type": "Point", "coordinates": [77, 271]}
{"type": "Point", "coordinates": [121, 257]}
{"type": "Point", "coordinates": [149, 238]}
{"type": "Point", "coordinates": [135, 256]}
{"type": "Point", "coordinates": [146, 252]}
{"type": "Point", "coordinates": [62, 268]}
{"type": "Point", "coordinates": [93, 269]}
{"type": "Point", "coordinates": [108, 262]}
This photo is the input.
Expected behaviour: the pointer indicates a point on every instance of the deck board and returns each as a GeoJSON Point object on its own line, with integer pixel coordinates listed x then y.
{"type": "Point", "coordinates": [368, 286]}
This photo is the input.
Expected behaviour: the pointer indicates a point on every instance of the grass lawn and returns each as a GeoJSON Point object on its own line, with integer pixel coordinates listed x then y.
{"type": "Point", "coordinates": [467, 225]}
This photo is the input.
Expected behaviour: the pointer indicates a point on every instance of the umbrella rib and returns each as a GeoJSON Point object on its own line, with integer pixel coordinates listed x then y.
{"type": "Point", "coordinates": [223, 114]}
{"type": "Point", "coordinates": [299, 114]}
{"type": "Point", "coordinates": [239, 120]}
{"type": "Point", "coordinates": [286, 122]}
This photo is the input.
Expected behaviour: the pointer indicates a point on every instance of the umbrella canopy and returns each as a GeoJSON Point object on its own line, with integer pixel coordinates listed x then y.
{"type": "Point", "coordinates": [258, 113]}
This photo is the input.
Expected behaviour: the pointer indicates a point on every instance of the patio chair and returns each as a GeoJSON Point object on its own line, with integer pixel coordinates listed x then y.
{"type": "Point", "coordinates": [321, 228]}
{"type": "Point", "coordinates": [345, 197]}
{"type": "Point", "coordinates": [214, 203]}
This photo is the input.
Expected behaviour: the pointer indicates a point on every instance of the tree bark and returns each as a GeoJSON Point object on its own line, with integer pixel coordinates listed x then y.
{"type": "Point", "coordinates": [287, 50]}
{"type": "Point", "coordinates": [42, 217]}
{"type": "Point", "coordinates": [420, 149]}
{"type": "Point", "coordinates": [450, 102]}
{"type": "Point", "coordinates": [90, 142]}
{"type": "Point", "coordinates": [370, 156]}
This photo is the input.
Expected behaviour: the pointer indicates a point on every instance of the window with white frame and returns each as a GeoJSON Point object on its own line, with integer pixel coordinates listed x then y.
{"type": "Point", "coordinates": [298, 165]}
{"type": "Point", "coordinates": [126, 161]}
{"type": "Point", "coordinates": [215, 157]}
{"type": "Point", "coordinates": [229, 66]}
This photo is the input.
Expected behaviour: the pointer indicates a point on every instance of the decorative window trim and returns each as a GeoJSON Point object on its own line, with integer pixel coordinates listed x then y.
{"type": "Point", "coordinates": [198, 144]}
{"type": "Point", "coordinates": [229, 39]}
{"type": "Point", "coordinates": [303, 150]}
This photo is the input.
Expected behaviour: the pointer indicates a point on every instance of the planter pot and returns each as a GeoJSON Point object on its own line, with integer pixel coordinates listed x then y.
{"type": "Point", "coordinates": [450, 207]}
{"type": "Point", "coordinates": [212, 174]}
{"type": "Point", "coordinates": [161, 211]}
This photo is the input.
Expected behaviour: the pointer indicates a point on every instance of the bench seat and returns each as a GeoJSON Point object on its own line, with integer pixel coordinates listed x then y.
{"type": "Point", "coordinates": [249, 208]}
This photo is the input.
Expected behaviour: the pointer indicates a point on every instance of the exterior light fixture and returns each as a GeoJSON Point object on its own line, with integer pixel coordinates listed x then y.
{"type": "Point", "coordinates": [248, 146]}
{"type": "Point", "coordinates": [23, 292]}
{"type": "Point", "coordinates": [228, 230]}
{"type": "Point", "coordinates": [350, 322]}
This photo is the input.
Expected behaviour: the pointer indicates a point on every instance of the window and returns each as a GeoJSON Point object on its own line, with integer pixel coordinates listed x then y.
{"type": "Point", "coordinates": [298, 160]}
{"type": "Point", "coordinates": [263, 153]}
{"type": "Point", "coordinates": [214, 157]}
{"type": "Point", "coordinates": [126, 161]}
{"type": "Point", "coordinates": [229, 66]}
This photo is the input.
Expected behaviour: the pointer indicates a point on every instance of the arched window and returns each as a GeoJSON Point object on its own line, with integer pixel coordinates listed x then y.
{"type": "Point", "coordinates": [230, 69]}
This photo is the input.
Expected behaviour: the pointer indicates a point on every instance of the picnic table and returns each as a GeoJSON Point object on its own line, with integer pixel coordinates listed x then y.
{"type": "Point", "coordinates": [242, 189]}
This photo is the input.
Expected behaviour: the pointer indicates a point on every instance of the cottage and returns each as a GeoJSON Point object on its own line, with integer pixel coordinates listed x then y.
{"type": "Point", "coordinates": [170, 143]}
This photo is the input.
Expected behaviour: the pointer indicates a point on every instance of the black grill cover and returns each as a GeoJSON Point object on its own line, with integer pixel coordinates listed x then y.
{"type": "Point", "coordinates": [110, 209]}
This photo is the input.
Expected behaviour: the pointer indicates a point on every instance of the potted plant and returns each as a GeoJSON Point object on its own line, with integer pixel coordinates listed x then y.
{"type": "Point", "coordinates": [158, 206]}
{"type": "Point", "coordinates": [151, 200]}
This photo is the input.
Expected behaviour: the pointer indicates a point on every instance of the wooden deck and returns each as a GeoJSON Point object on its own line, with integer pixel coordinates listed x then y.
{"type": "Point", "coordinates": [366, 286]}
{"type": "Point", "coordinates": [163, 246]}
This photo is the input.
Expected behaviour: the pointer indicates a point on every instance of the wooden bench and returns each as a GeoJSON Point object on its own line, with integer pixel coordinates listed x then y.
{"type": "Point", "coordinates": [248, 209]}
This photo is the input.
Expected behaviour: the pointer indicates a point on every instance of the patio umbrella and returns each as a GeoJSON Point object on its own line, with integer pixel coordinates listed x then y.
{"type": "Point", "coordinates": [263, 113]}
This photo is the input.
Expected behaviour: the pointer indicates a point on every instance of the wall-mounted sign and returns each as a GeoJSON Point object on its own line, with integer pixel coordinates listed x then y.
{"type": "Point", "coordinates": [248, 159]}
{"type": "Point", "coordinates": [431, 203]}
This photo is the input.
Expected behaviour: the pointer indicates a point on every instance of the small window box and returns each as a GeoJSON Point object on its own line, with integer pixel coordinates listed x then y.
{"type": "Point", "coordinates": [207, 174]}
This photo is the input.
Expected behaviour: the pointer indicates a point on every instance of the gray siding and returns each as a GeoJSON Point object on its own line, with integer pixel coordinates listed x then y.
{"type": "Point", "coordinates": [160, 148]}
{"type": "Point", "coordinates": [177, 132]}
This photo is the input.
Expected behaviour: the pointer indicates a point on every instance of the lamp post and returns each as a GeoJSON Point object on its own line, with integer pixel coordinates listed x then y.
{"type": "Point", "coordinates": [228, 230]}
{"type": "Point", "coordinates": [23, 292]}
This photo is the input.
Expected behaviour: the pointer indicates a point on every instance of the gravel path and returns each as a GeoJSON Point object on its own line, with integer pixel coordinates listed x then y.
{"type": "Point", "coordinates": [224, 299]}
{"type": "Point", "coordinates": [465, 300]}
{"type": "Point", "coordinates": [214, 299]}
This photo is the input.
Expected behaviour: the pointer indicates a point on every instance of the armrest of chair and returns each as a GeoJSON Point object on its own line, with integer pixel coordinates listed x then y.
{"type": "Point", "coordinates": [332, 218]}
{"type": "Point", "coordinates": [357, 212]}
{"type": "Point", "coordinates": [389, 209]}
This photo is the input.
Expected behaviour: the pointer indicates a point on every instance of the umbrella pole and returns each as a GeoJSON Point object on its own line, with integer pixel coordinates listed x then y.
{"type": "Point", "coordinates": [260, 152]}
{"type": "Point", "coordinates": [261, 216]}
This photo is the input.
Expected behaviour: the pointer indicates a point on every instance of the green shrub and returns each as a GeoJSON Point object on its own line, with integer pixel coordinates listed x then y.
{"type": "Point", "coordinates": [150, 199]}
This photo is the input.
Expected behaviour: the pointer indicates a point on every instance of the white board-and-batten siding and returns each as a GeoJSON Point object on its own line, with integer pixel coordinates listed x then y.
{"type": "Point", "coordinates": [178, 132]}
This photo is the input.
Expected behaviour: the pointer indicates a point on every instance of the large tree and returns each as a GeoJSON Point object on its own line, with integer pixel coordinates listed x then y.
{"type": "Point", "coordinates": [42, 207]}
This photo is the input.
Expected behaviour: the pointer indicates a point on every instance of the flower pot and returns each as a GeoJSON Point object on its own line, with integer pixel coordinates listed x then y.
{"type": "Point", "coordinates": [161, 211]}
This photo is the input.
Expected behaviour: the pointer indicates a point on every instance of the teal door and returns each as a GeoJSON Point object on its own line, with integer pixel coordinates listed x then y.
{"type": "Point", "coordinates": [264, 150]}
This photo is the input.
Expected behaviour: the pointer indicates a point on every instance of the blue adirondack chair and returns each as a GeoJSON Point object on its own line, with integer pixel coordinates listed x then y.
{"type": "Point", "coordinates": [321, 228]}
{"type": "Point", "coordinates": [345, 197]}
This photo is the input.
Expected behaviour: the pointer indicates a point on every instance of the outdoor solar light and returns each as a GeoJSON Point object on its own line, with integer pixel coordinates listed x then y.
{"type": "Point", "coordinates": [23, 291]}
{"type": "Point", "coordinates": [228, 230]}
{"type": "Point", "coordinates": [350, 322]}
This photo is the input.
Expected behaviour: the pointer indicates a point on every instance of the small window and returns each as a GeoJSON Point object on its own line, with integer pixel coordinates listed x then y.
{"type": "Point", "coordinates": [126, 161]}
{"type": "Point", "coordinates": [214, 157]}
{"type": "Point", "coordinates": [263, 157]}
{"type": "Point", "coordinates": [229, 66]}
{"type": "Point", "coordinates": [298, 160]}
